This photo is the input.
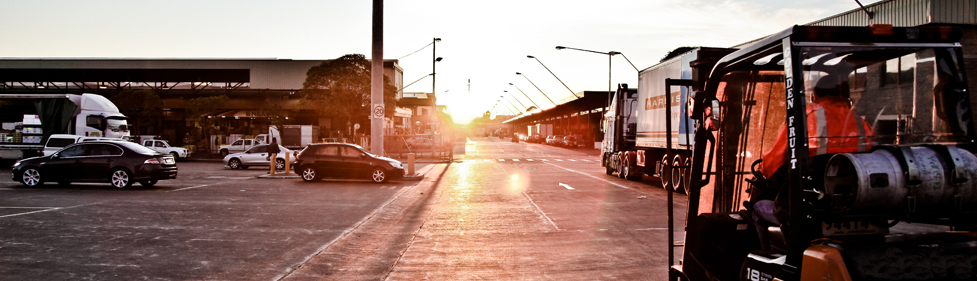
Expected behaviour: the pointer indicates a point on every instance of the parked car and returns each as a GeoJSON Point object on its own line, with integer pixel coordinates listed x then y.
{"type": "Point", "coordinates": [258, 156]}
{"type": "Point", "coordinates": [117, 162]}
{"type": "Point", "coordinates": [570, 141]}
{"type": "Point", "coordinates": [341, 160]}
{"type": "Point", "coordinates": [164, 147]}
{"type": "Point", "coordinates": [240, 145]}
{"type": "Point", "coordinates": [554, 140]}
{"type": "Point", "coordinates": [58, 141]}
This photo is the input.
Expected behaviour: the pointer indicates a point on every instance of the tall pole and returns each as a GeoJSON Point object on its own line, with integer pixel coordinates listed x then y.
{"type": "Point", "coordinates": [377, 111]}
{"type": "Point", "coordinates": [512, 104]}
{"type": "Point", "coordinates": [517, 100]}
{"type": "Point", "coordinates": [554, 76]}
{"type": "Point", "coordinates": [537, 87]}
{"type": "Point", "coordinates": [527, 96]}
{"type": "Point", "coordinates": [434, 66]}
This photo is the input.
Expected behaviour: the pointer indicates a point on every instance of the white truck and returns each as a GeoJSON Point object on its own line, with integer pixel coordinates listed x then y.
{"type": "Point", "coordinates": [162, 146]}
{"type": "Point", "coordinates": [239, 146]}
{"type": "Point", "coordinates": [87, 115]}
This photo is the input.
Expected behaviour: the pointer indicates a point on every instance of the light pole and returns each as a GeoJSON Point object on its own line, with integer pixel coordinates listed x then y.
{"type": "Point", "coordinates": [554, 75]}
{"type": "Point", "coordinates": [527, 96]}
{"type": "Point", "coordinates": [610, 92]}
{"type": "Point", "coordinates": [517, 100]}
{"type": "Point", "coordinates": [434, 62]}
{"type": "Point", "coordinates": [537, 88]}
{"type": "Point", "coordinates": [510, 103]}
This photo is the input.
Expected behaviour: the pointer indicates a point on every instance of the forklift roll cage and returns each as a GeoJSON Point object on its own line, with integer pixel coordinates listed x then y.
{"type": "Point", "coordinates": [708, 72]}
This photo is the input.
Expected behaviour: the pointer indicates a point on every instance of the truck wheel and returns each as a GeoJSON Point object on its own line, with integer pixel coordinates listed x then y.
{"type": "Point", "coordinates": [664, 171]}
{"type": "Point", "coordinates": [234, 164]}
{"type": "Point", "coordinates": [224, 153]}
{"type": "Point", "coordinates": [678, 174]}
{"type": "Point", "coordinates": [607, 166]}
{"type": "Point", "coordinates": [629, 173]}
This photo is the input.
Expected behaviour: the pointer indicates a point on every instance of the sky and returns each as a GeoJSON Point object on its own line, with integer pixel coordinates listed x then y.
{"type": "Point", "coordinates": [484, 43]}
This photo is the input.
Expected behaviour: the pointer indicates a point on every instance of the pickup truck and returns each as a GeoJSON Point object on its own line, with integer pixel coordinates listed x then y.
{"type": "Point", "coordinates": [239, 146]}
{"type": "Point", "coordinates": [162, 146]}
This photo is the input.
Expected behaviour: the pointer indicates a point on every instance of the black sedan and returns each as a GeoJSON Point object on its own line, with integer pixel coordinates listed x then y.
{"type": "Point", "coordinates": [117, 162]}
{"type": "Point", "coordinates": [341, 160]}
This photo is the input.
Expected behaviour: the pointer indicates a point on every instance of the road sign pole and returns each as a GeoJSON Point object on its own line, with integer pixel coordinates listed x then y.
{"type": "Point", "coordinates": [376, 81]}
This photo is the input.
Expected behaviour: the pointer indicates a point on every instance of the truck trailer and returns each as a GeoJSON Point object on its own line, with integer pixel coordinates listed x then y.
{"type": "Point", "coordinates": [87, 115]}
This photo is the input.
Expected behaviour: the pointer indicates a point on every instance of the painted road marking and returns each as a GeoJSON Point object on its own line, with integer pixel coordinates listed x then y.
{"type": "Point", "coordinates": [571, 160]}
{"type": "Point", "coordinates": [588, 175]}
{"type": "Point", "coordinates": [544, 160]}
{"type": "Point", "coordinates": [515, 160]}
{"type": "Point", "coordinates": [501, 160]}
{"type": "Point", "coordinates": [560, 160]}
{"type": "Point", "coordinates": [530, 160]}
{"type": "Point", "coordinates": [566, 185]}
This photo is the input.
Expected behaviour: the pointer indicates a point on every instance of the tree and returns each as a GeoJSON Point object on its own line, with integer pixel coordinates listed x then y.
{"type": "Point", "coordinates": [341, 88]}
{"type": "Point", "coordinates": [144, 109]}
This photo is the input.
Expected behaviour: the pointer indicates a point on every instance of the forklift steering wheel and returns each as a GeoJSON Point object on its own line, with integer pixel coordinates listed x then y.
{"type": "Point", "coordinates": [753, 169]}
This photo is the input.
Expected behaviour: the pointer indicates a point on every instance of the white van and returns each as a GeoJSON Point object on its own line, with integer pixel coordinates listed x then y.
{"type": "Point", "coordinates": [58, 141]}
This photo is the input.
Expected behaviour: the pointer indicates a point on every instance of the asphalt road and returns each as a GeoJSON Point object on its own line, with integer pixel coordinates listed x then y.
{"type": "Point", "coordinates": [501, 210]}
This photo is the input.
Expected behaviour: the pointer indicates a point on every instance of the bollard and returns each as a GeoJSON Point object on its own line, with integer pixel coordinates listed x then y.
{"type": "Point", "coordinates": [271, 165]}
{"type": "Point", "coordinates": [287, 163]}
{"type": "Point", "coordinates": [410, 163]}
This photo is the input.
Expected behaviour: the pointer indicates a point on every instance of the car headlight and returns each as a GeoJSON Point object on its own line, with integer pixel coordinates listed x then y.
{"type": "Point", "coordinates": [396, 164]}
{"type": "Point", "coordinates": [17, 164]}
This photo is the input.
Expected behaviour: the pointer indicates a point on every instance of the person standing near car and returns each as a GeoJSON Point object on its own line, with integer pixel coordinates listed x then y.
{"type": "Point", "coordinates": [273, 151]}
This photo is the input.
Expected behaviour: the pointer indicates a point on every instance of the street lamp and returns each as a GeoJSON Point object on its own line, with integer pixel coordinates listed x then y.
{"type": "Point", "coordinates": [537, 88]}
{"type": "Point", "coordinates": [510, 103]}
{"type": "Point", "coordinates": [610, 92]}
{"type": "Point", "coordinates": [517, 100]}
{"type": "Point", "coordinates": [524, 93]}
{"type": "Point", "coordinates": [554, 75]}
{"type": "Point", "coordinates": [434, 55]}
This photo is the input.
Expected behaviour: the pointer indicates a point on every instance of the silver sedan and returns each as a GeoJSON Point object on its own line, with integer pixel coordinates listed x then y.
{"type": "Point", "coordinates": [258, 156]}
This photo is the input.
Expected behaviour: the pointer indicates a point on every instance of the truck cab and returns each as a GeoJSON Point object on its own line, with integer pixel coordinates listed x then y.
{"type": "Point", "coordinates": [98, 117]}
{"type": "Point", "coordinates": [882, 208]}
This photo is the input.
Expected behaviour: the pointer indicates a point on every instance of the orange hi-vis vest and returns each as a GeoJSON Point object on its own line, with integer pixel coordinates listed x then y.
{"type": "Point", "coordinates": [832, 127]}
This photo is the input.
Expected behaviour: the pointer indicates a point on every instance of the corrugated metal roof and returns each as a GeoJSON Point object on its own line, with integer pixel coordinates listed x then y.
{"type": "Point", "coordinates": [907, 13]}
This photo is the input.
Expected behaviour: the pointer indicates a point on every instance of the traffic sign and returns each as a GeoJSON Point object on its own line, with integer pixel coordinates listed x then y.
{"type": "Point", "coordinates": [378, 110]}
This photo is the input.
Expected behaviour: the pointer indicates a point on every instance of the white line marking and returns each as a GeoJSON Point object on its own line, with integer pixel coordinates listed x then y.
{"type": "Point", "coordinates": [588, 175]}
{"type": "Point", "coordinates": [530, 160]}
{"type": "Point", "coordinates": [27, 207]}
{"type": "Point", "coordinates": [560, 160]}
{"type": "Point", "coordinates": [45, 210]}
{"type": "Point", "coordinates": [501, 160]}
{"type": "Point", "coordinates": [488, 160]}
{"type": "Point", "coordinates": [566, 185]}
{"type": "Point", "coordinates": [192, 187]}
{"type": "Point", "coordinates": [571, 160]}
{"type": "Point", "coordinates": [540, 211]}
{"type": "Point", "coordinates": [515, 160]}
{"type": "Point", "coordinates": [543, 160]}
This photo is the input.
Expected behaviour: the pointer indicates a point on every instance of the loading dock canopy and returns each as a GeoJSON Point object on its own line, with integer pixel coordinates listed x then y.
{"type": "Point", "coordinates": [589, 100]}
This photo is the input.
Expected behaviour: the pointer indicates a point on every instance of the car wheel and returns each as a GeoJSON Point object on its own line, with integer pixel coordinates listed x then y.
{"type": "Point", "coordinates": [378, 175]}
{"type": "Point", "coordinates": [279, 164]}
{"type": "Point", "coordinates": [121, 178]}
{"type": "Point", "coordinates": [175, 156]}
{"type": "Point", "coordinates": [31, 177]}
{"type": "Point", "coordinates": [148, 183]}
{"type": "Point", "coordinates": [309, 174]}
{"type": "Point", "coordinates": [224, 153]}
{"type": "Point", "coordinates": [234, 163]}
{"type": "Point", "coordinates": [64, 183]}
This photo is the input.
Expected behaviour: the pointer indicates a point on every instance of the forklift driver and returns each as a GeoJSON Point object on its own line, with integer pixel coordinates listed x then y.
{"type": "Point", "coordinates": [832, 127]}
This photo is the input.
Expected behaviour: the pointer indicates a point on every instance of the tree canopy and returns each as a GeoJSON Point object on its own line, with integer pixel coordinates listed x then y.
{"type": "Point", "coordinates": [143, 107]}
{"type": "Point", "coordinates": [341, 88]}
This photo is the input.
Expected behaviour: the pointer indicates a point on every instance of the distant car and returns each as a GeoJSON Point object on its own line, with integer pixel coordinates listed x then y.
{"type": "Point", "coordinates": [554, 140]}
{"type": "Point", "coordinates": [240, 145]}
{"type": "Point", "coordinates": [164, 147]}
{"type": "Point", "coordinates": [58, 141]}
{"type": "Point", "coordinates": [117, 162]}
{"type": "Point", "coordinates": [257, 156]}
{"type": "Point", "coordinates": [341, 160]}
{"type": "Point", "coordinates": [569, 141]}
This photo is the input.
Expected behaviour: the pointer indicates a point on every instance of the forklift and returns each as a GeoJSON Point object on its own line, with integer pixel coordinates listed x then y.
{"type": "Point", "coordinates": [902, 207]}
